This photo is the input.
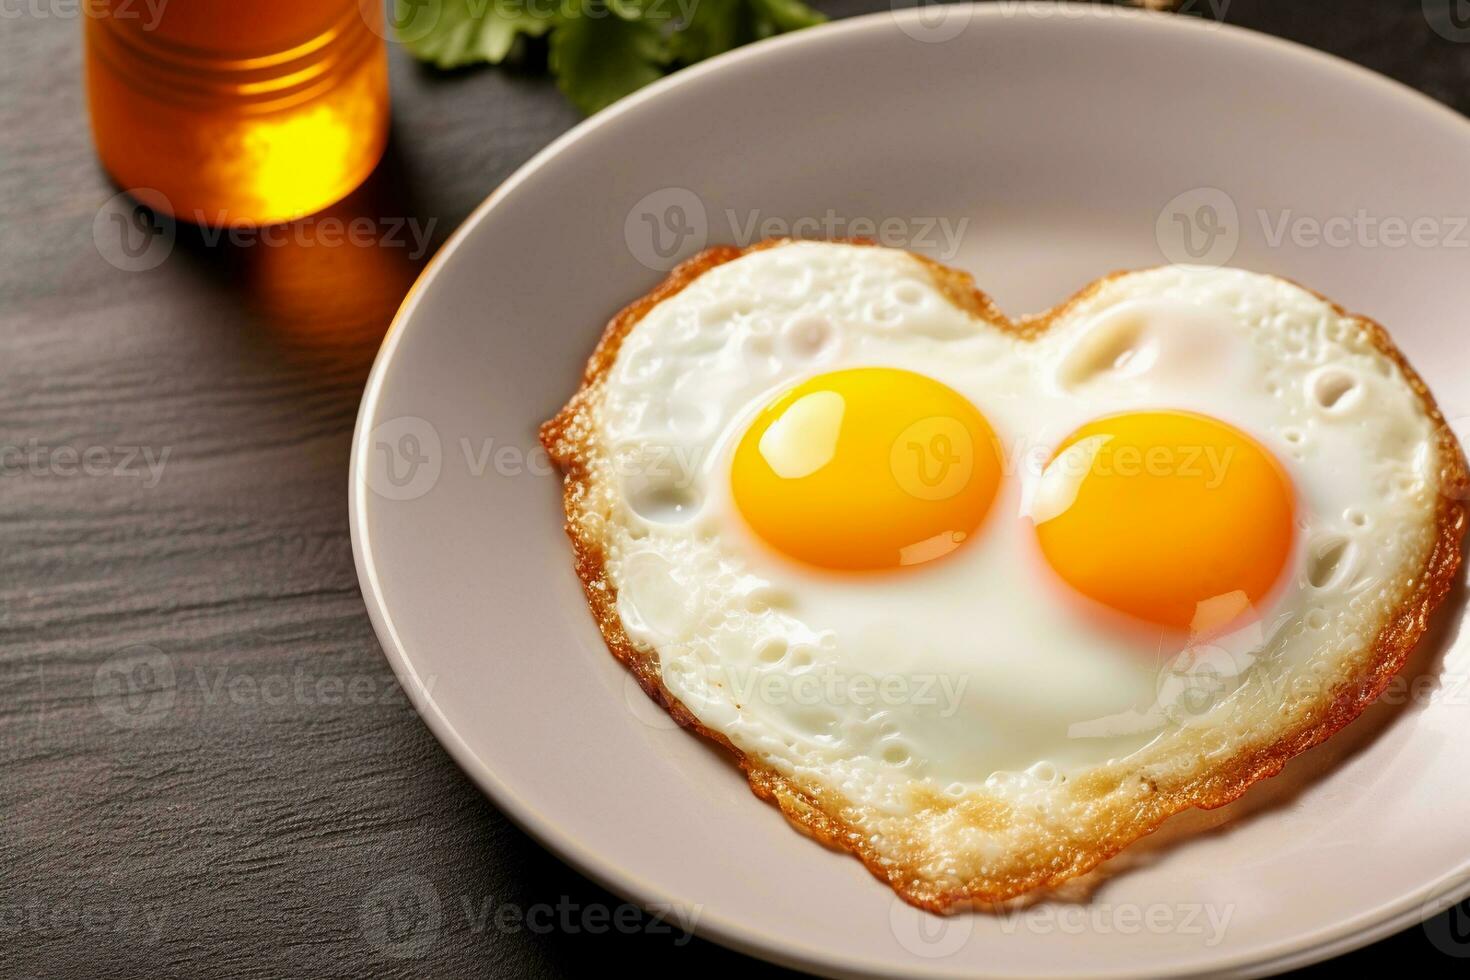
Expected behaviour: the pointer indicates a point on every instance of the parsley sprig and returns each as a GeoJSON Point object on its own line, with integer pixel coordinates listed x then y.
{"type": "Point", "coordinates": [599, 50]}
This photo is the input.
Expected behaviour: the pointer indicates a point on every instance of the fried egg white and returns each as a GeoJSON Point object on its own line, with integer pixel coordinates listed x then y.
{"type": "Point", "coordinates": [983, 601]}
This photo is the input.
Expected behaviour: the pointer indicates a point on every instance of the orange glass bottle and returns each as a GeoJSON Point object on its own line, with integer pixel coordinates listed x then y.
{"type": "Point", "coordinates": [238, 112]}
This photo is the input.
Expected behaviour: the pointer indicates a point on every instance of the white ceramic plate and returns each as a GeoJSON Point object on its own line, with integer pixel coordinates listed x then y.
{"type": "Point", "coordinates": [1062, 144]}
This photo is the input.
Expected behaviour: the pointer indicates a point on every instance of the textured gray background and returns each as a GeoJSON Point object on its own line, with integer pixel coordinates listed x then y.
{"type": "Point", "coordinates": [259, 800]}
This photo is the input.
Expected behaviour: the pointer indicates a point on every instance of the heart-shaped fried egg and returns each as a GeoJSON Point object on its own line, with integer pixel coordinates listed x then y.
{"type": "Point", "coordinates": [985, 600]}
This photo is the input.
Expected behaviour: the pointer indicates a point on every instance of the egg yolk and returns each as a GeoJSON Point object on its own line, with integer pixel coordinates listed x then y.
{"type": "Point", "coordinates": [1170, 517]}
{"type": "Point", "coordinates": [869, 468]}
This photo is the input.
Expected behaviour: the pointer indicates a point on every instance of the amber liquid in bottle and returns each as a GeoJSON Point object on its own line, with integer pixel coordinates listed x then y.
{"type": "Point", "coordinates": [237, 112]}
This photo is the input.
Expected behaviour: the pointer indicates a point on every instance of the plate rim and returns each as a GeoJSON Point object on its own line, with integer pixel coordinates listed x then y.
{"type": "Point", "coordinates": [1368, 927]}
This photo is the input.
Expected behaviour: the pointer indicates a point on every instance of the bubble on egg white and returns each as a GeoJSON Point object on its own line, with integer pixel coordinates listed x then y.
{"type": "Point", "coordinates": [1112, 344]}
{"type": "Point", "coordinates": [1168, 342]}
{"type": "Point", "coordinates": [1029, 787]}
{"type": "Point", "coordinates": [719, 315]}
{"type": "Point", "coordinates": [906, 293]}
{"type": "Point", "coordinates": [626, 419]}
{"type": "Point", "coordinates": [808, 337]}
{"type": "Point", "coordinates": [763, 597]}
{"type": "Point", "coordinates": [665, 504]}
{"type": "Point", "coordinates": [896, 752]}
{"type": "Point", "coordinates": [656, 486]}
{"type": "Point", "coordinates": [1423, 462]}
{"type": "Point", "coordinates": [883, 313]}
{"type": "Point", "coordinates": [1331, 559]}
{"type": "Point", "coordinates": [795, 286]}
{"type": "Point", "coordinates": [759, 354]}
{"type": "Point", "coordinates": [641, 367]}
{"type": "Point", "coordinates": [1334, 390]}
{"type": "Point", "coordinates": [771, 651]}
{"type": "Point", "coordinates": [1044, 772]}
{"type": "Point", "coordinates": [689, 419]}
{"type": "Point", "coordinates": [652, 604]}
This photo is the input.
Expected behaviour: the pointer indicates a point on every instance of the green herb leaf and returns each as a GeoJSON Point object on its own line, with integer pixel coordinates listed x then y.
{"type": "Point", "coordinates": [716, 26]}
{"type": "Point", "coordinates": [779, 16]}
{"type": "Point", "coordinates": [600, 55]}
{"type": "Point", "coordinates": [600, 50]}
{"type": "Point", "coordinates": [452, 33]}
{"type": "Point", "coordinates": [712, 26]}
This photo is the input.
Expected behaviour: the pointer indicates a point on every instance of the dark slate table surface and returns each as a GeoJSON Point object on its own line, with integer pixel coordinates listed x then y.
{"type": "Point", "coordinates": [240, 811]}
